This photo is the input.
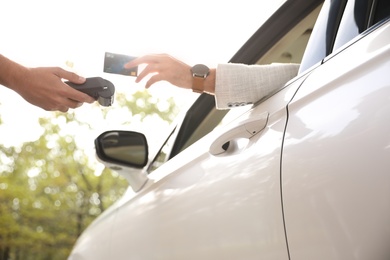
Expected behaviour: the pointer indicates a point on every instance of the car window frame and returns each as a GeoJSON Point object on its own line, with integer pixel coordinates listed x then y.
{"type": "Point", "coordinates": [251, 51]}
{"type": "Point", "coordinates": [357, 21]}
{"type": "Point", "coordinates": [324, 33]}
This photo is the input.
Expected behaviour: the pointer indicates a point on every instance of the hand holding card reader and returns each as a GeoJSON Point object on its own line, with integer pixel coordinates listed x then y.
{"type": "Point", "coordinates": [100, 89]}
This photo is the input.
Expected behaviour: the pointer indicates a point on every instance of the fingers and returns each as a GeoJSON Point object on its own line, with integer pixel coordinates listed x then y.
{"type": "Point", "coordinates": [77, 96]}
{"type": "Point", "coordinates": [134, 63]}
{"type": "Point", "coordinates": [62, 104]}
{"type": "Point", "coordinates": [73, 77]}
{"type": "Point", "coordinates": [62, 109]}
{"type": "Point", "coordinates": [71, 93]}
{"type": "Point", "coordinates": [148, 59]}
{"type": "Point", "coordinates": [154, 79]}
{"type": "Point", "coordinates": [146, 71]}
{"type": "Point", "coordinates": [73, 104]}
{"type": "Point", "coordinates": [65, 109]}
{"type": "Point", "coordinates": [164, 66]}
{"type": "Point", "coordinates": [67, 105]}
{"type": "Point", "coordinates": [58, 105]}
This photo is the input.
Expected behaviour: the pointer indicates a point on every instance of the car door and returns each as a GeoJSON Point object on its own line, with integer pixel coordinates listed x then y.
{"type": "Point", "coordinates": [281, 39]}
{"type": "Point", "coordinates": [207, 202]}
{"type": "Point", "coordinates": [212, 203]}
{"type": "Point", "coordinates": [335, 163]}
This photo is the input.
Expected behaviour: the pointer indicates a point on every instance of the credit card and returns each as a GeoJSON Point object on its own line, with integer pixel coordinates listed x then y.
{"type": "Point", "coordinates": [114, 63]}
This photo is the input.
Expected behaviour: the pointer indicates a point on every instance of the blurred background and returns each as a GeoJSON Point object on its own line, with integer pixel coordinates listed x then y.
{"type": "Point", "coordinates": [51, 185]}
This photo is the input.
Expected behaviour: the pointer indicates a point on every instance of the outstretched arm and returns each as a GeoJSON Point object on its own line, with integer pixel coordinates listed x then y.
{"type": "Point", "coordinates": [232, 84]}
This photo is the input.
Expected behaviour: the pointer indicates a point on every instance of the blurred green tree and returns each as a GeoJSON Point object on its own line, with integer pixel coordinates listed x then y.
{"type": "Point", "coordinates": [50, 189]}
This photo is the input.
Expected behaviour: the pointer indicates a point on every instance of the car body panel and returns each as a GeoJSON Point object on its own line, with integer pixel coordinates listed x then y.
{"type": "Point", "coordinates": [336, 181]}
{"type": "Point", "coordinates": [313, 183]}
{"type": "Point", "coordinates": [189, 212]}
{"type": "Point", "coordinates": [94, 242]}
{"type": "Point", "coordinates": [188, 205]}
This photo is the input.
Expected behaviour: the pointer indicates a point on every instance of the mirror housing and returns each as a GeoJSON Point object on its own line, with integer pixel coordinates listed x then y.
{"type": "Point", "coordinates": [125, 152]}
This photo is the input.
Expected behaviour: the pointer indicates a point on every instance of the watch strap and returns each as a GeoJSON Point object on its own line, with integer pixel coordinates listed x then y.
{"type": "Point", "coordinates": [198, 84]}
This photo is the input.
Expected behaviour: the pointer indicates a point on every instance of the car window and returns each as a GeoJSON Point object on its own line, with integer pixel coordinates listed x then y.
{"type": "Point", "coordinates": [288, 46]}
{"type": "Point", "coordinates": [291, 47]}
{"type": "Point", "coordinates": [324, 33]}
{"type": "Point", "coordinates": [381, 11]}
{"type": "Point", "coordinates": [359, 15]}
{"type": "Point", "coordinates": [163, 154]}
{"type": "Point", "coordinates": [198, 121]}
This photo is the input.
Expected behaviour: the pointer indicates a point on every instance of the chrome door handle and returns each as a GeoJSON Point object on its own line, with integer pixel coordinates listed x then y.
{"type": "Point", "coordinates": [245, 129]}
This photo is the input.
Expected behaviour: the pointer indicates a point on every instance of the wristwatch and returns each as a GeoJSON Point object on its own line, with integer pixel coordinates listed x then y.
{"type": "Point", "coordinates": [199, 74]}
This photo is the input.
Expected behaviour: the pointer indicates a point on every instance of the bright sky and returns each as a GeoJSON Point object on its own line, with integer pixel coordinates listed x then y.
{"type": "Point", "coordinates": [52, 32]}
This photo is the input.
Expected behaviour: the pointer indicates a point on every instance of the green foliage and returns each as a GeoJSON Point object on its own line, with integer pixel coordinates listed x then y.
{"type": "Point", "coordinates": [51, 190]}
{"type": "Point", "coordinates": [143, 104]}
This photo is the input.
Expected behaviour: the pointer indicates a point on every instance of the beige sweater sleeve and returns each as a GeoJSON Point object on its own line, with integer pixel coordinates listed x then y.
{"type": "Point", "coordinates": [239, 84]}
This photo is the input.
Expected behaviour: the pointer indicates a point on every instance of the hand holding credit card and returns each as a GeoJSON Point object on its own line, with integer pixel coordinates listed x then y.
{"type": "Point", "coordinates": [114, 63]}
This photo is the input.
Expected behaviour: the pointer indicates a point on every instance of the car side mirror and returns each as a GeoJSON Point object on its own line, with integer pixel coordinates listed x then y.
{"type": "Point", "coordinates": [123, 148]}
{"type": "Point", "coordinates": [123, 151]}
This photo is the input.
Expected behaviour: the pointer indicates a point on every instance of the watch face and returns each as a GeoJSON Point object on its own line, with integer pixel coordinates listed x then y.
{"type": "Point", "coordinates": [200, 70]}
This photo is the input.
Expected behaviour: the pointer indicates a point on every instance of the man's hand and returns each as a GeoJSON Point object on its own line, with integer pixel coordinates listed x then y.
{"type": "Point", "coordinates": [43, 87]}
{"type": "Point", "coordinates": [164, 68]}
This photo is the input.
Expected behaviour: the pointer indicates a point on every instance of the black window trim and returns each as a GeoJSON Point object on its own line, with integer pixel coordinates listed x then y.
{"type": "Point", "coordinates": [370, 29]}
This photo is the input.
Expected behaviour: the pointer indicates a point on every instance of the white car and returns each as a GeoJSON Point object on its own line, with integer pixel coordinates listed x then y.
{"type": "Point", "coordinates": [311, 181]}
